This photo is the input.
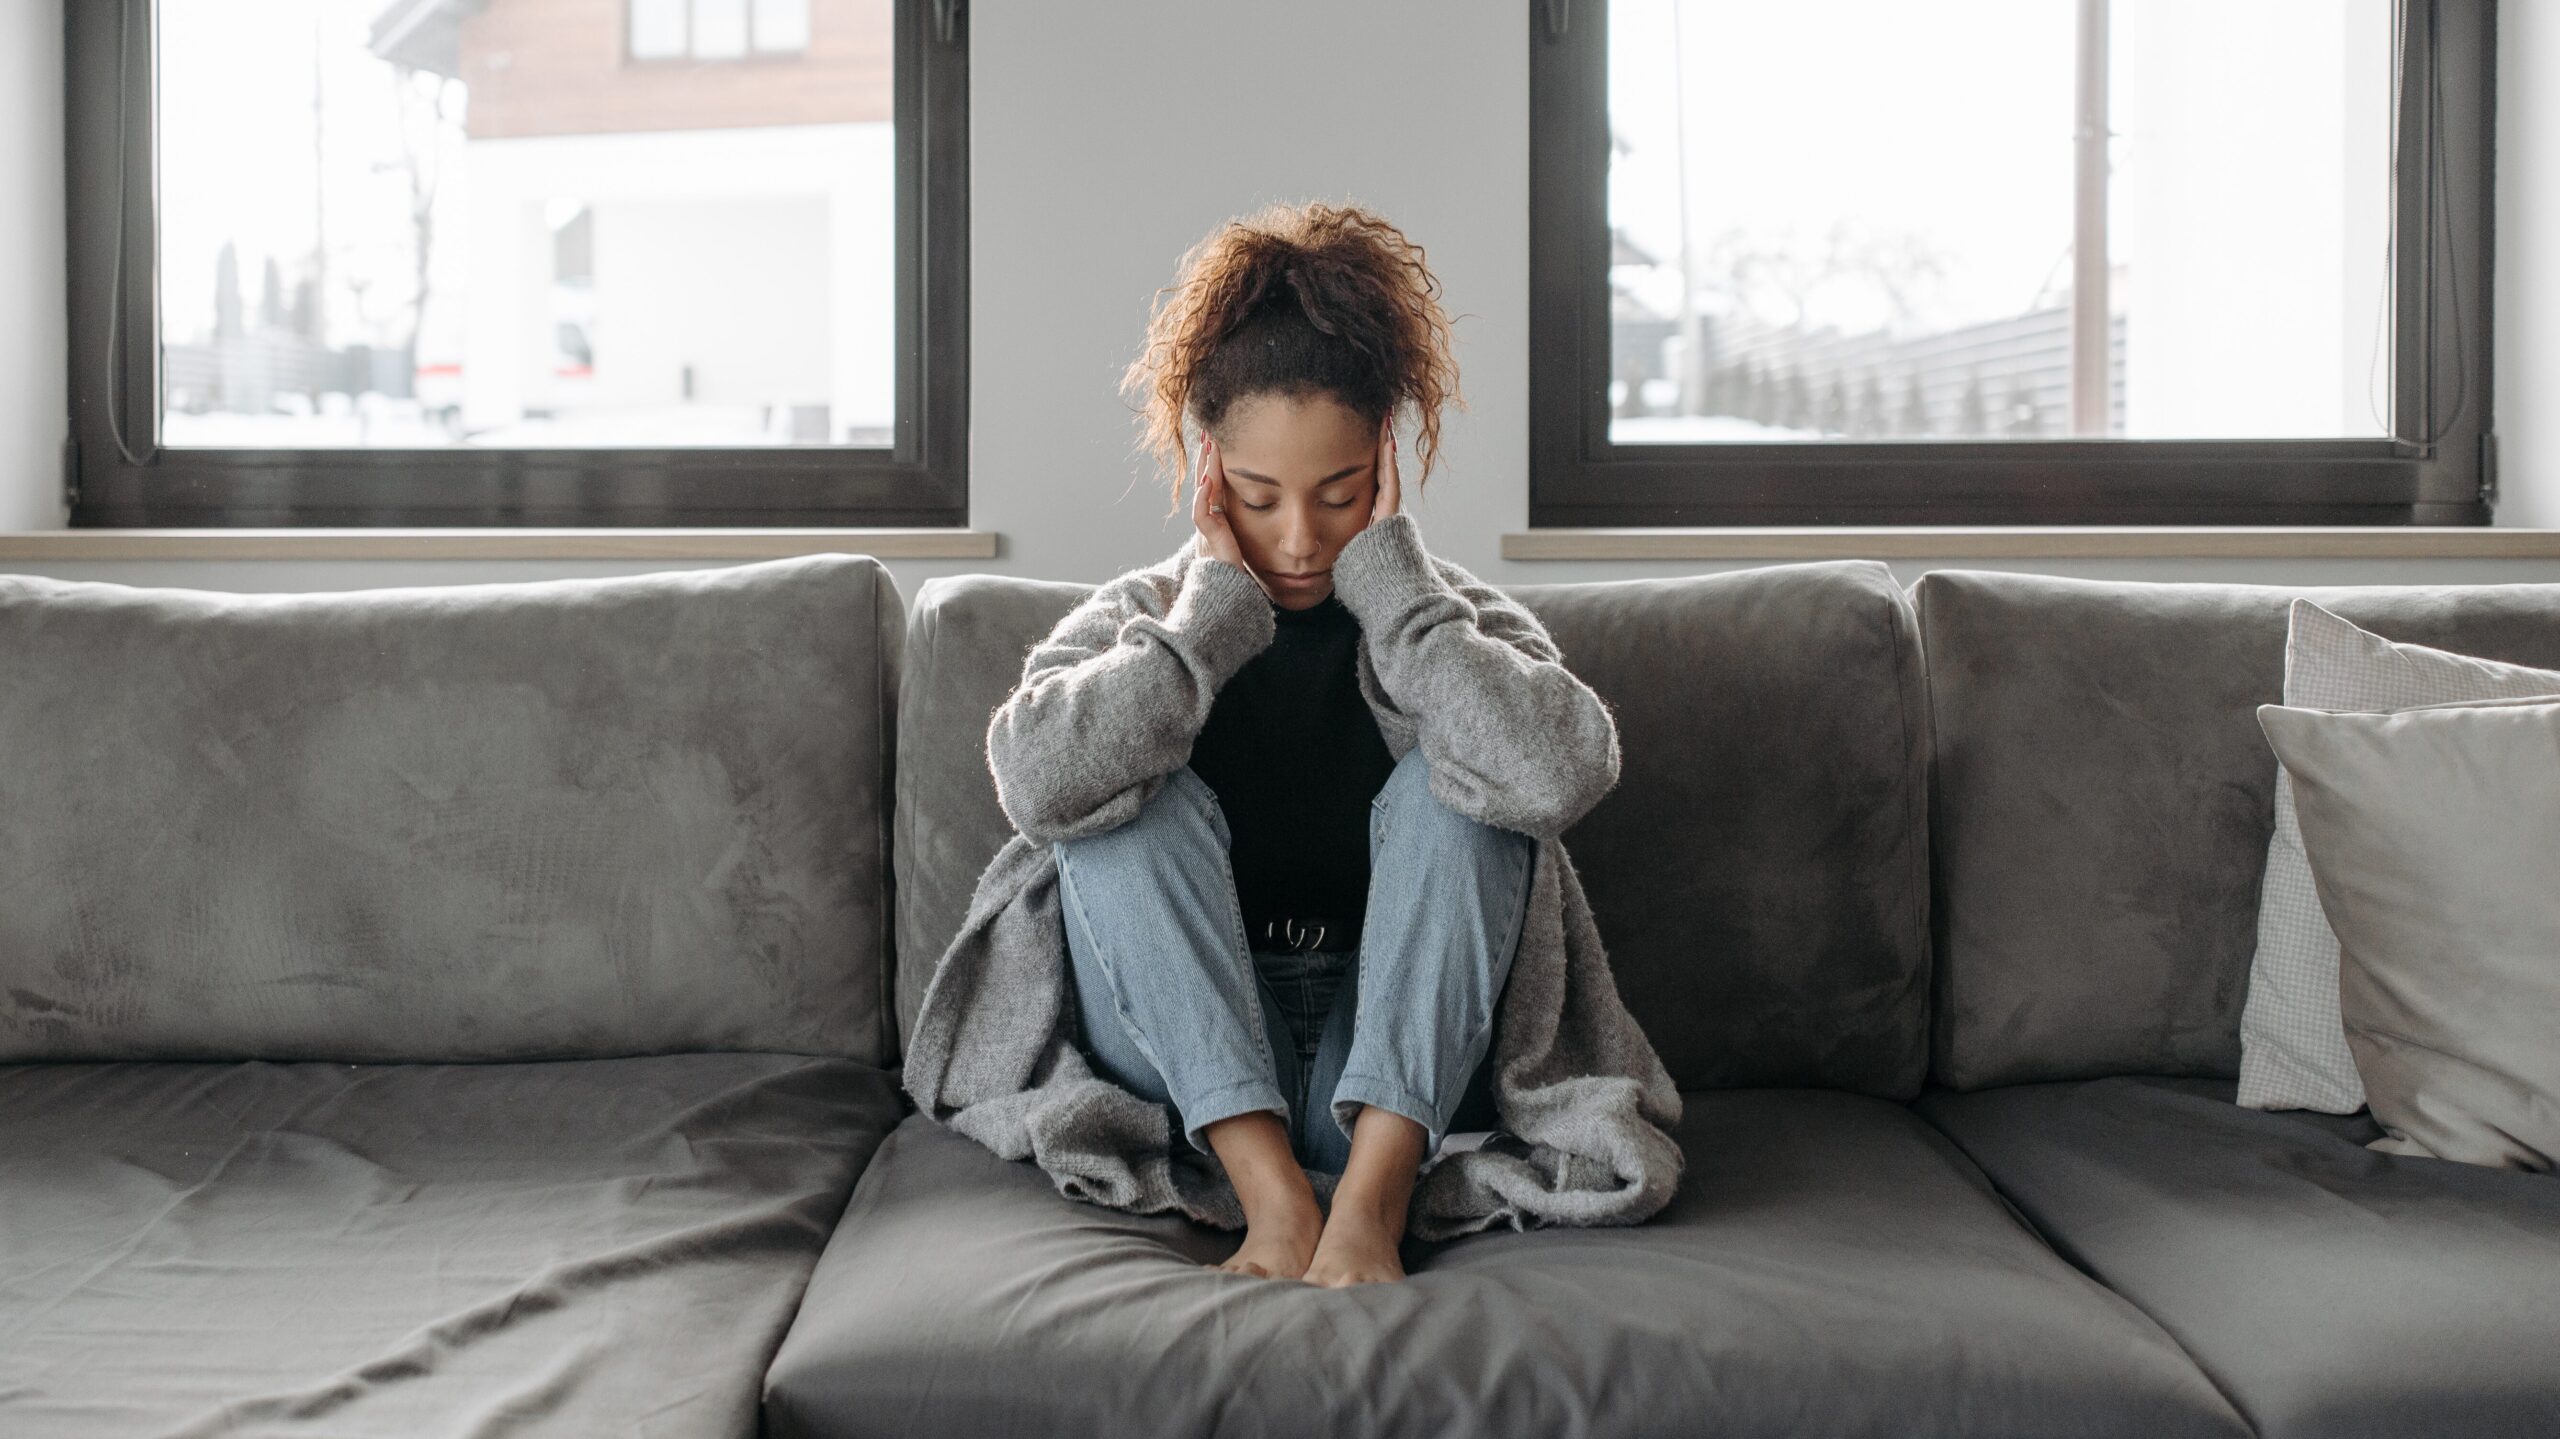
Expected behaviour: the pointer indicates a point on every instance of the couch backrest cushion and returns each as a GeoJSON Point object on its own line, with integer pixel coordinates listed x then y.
{"type": "Point", "coordinates": [1759, 875]}
{"type": "Point", "coordinates": [967, 638]}
{"type": "Point", "coordinates": [2102, 799]}
{"type": "Point", "coordinates": [552, 819]}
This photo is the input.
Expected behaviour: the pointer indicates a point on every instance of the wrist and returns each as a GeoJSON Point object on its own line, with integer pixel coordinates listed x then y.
{"type": "Point", "coordinates": [1384, 566]}
{"type": "Point", "coordinates": [1226, 608]}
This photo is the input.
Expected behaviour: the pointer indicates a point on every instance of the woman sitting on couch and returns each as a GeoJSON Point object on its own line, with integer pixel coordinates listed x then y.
{"type": "Point", "coordinates": [1295, 782]}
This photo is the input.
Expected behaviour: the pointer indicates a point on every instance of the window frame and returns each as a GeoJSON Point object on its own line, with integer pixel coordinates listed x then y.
{"type": "Point", "coordinates": [1579, 478]}
{"type": "Point", "coordinates": [919, 480]}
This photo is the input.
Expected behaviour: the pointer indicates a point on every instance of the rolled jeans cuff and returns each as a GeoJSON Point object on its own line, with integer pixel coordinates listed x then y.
{"type": "Point", "coordinates": [1389, 1095]}
{"type": "Point", "coordinates": [1226, 1102]}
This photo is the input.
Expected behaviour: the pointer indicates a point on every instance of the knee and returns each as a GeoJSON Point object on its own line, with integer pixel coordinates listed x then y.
{"type": "Point", "coordinates": [1414, 811]}
{"type": "Point", "coordinates": [1183, 812]}
{"type": "Point", "coordinates": [1411, 776]}
{"type": "Point", "coordinates": [1407, 791]}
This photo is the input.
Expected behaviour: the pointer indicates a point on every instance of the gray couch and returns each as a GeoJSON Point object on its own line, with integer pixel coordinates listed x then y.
{"type": "Point", "coordinates": [474, 1011]}
{"type": "Point", "coordinates": [436, 1011]}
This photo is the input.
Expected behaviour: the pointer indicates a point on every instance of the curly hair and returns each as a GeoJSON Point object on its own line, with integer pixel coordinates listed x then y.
{"type": "Point", "coordinates": [1295, 300]}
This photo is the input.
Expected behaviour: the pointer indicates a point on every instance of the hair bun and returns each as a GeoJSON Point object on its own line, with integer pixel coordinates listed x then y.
{"type": "Point", "coordinates": [1343, 306]}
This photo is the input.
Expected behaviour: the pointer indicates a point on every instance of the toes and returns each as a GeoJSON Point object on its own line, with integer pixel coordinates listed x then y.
{"type": "Point", "coordinates": [1343, 1265]}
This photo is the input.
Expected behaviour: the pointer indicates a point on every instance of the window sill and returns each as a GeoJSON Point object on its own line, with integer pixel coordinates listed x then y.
{"type": "Point", "coordinates": [492, 544]}
{"type": "Point", "coordinates": [1889, 542]}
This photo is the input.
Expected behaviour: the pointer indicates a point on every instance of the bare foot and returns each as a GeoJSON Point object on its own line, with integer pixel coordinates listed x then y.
{"type": "Point", "coordinates": [1366, 1223]}
{"type": "Point", "coordinates": [1357, 1247]}
{"type": "Point", "coordinates": [1278, 1246]}
{"type": "Point", "coordinates": [1281, 1220]}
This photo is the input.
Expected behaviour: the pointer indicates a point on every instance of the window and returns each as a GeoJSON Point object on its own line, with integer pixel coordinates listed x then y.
{"type": "Point", "coordinates": [459, 262]}
{"type": "Point", "coordinates": [659, 29]}
{"type": "Point", "coordinates": [717, 29]}
{"type": "Point", "coordinates": [782, 26]}
{"type": "Point", "coordinates": [2009, 262]}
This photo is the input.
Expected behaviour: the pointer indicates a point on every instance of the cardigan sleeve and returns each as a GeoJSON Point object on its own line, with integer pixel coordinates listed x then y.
{"type": "Point", "coordinates": [1513, 738]}
{"type": "Point", "coordinates": [1116, 694]}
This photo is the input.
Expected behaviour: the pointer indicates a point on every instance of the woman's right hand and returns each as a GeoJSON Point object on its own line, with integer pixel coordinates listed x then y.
{"type": "Point", "coordinates": [1209, 496]}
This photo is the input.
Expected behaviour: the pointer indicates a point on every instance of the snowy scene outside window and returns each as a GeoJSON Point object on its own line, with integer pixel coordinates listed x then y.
{"type": "Point", "coordinates": [1880, 220]}
{"type": "Point", "coordinates": [526, 223]}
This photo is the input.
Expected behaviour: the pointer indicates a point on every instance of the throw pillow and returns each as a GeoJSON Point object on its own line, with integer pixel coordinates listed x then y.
{"type": "Point", "coordinates": [2431, 833]}
{"type": "Point", "coordinates": [2293, 1051]}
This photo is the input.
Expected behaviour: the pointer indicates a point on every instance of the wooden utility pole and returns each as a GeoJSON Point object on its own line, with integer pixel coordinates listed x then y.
{"type": "Point", "coordinates": [1693, 358]}
{"type": "Point", "coordinates": [2090, 380]}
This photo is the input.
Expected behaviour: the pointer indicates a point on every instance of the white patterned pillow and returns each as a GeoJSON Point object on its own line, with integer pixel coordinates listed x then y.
{"type": "Point", "coordinates": [2293, 1047]}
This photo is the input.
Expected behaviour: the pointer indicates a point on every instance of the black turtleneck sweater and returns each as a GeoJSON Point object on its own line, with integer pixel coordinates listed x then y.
{"type": "Point", "coordinates": [1295, 757]}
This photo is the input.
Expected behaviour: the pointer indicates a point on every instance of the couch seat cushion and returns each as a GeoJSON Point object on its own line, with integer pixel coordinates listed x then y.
{"type": "Point", "coordinates": [608, 1246]}
{"type": "Point", "coordinates": [1830, 1266]}
{"type": "Point", "coordinates": [2328, 1289]}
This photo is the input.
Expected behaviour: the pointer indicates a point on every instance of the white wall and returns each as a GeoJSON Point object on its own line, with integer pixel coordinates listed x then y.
{"type": "Point", "coordinates": [2526, 288]}
{"type": "Point", "coordinates": [1109, 137]}
{"type": "Point", "coordinates": [34, 385]}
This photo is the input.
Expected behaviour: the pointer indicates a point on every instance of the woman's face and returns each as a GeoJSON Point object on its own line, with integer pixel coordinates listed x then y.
{"type": "Point", "coordinates": [1302, 479]}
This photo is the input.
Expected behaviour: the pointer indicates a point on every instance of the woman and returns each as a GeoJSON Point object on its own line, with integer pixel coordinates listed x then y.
{"type": "Point", "coordinates": [1297, 790]}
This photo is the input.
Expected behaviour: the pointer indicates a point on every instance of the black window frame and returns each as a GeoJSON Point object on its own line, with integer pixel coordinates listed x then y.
{"type": "Point", "coordinates": [121, 476]}
{"type": "Point", "coordinates": [2441, 380]}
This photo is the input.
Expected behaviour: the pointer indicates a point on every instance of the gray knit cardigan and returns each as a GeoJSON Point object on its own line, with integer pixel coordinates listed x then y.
{"type": "Point", "coordinates": [1108, 707]}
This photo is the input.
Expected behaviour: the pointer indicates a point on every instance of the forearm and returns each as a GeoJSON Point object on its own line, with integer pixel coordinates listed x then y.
{"type": "Point", "coordinates": [1513, 737]}
{"type": "Point", "coordinates": [1116, 696]}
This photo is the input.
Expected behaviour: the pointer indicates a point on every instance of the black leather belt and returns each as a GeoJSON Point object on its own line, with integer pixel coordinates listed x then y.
{"type": "Point", "coordinates": [1304, 934]}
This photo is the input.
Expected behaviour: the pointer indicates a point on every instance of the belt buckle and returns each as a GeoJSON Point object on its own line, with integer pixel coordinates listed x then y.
{"type": "Point", "coordinates": [1301, 938]}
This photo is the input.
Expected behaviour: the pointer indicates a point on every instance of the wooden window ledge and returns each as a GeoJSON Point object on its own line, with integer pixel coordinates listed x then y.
{"type": "Point", "coordinates": [1813, 542]}
{"type": "Point", "coordinates": [502, 543]}
{"type": "Point", "coordinates": [1890, 542]}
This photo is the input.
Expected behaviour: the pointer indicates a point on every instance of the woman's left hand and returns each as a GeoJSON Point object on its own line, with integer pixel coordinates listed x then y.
{"type": "Point", "coordinates": [1390, 488]}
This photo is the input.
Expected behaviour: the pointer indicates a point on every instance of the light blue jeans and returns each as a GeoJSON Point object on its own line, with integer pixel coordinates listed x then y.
{"type": "Point", "coordinates": [1178, 1008]}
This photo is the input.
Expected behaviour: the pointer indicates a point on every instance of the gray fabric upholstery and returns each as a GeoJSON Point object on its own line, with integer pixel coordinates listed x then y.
{"type": "Point", "coordinates": [590, 1247]}
{"type": "Point", "coordinates": [967, 636]}
{"type": "Point", "coordinates": [2332, 1292]}
{"type": "Point", "coordinates": [2103, 798]}
{"type": "Point", "coordinates": [548, 819]}
{"type": "Point", "coordinates": [1759, 874]}
{"type": "Point", "coordinates": [1830, 1266]}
